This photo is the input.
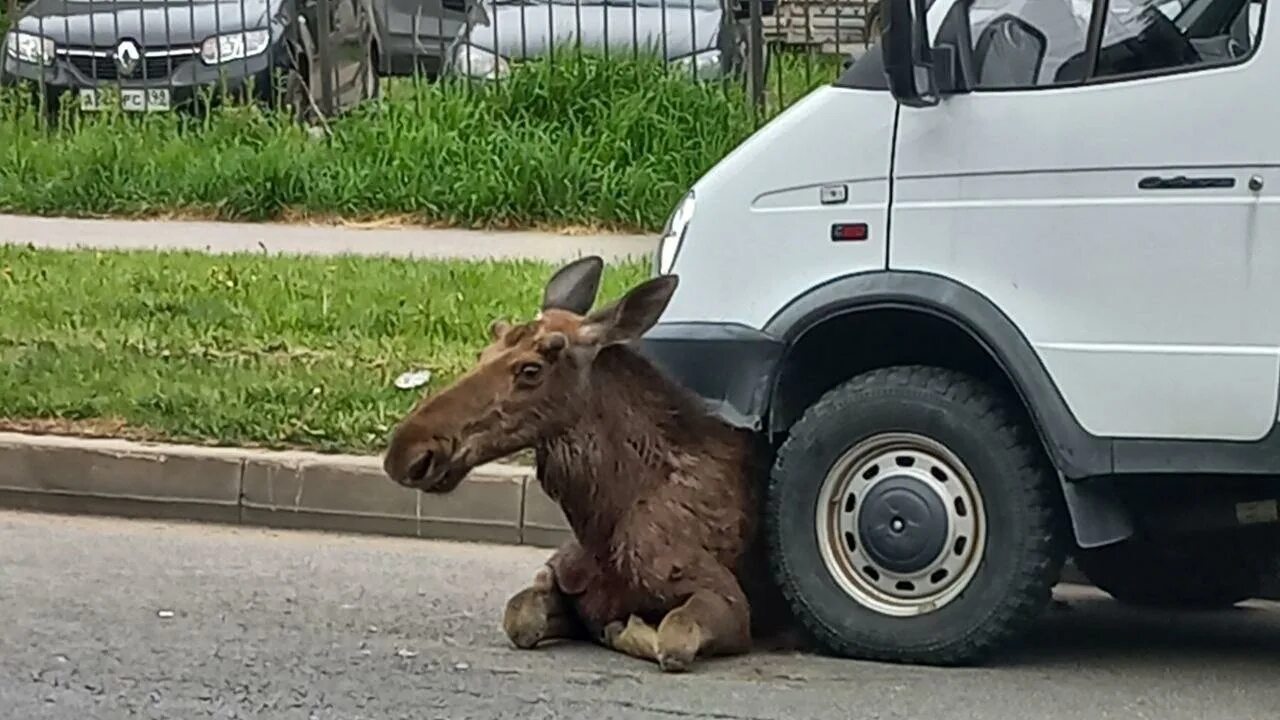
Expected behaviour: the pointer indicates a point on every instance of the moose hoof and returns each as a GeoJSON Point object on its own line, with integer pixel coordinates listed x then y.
{"type": "Point", "coordinates": [527, 619]}
{"type": "Point", "coordinates": [674, 663]}
{"type": "Point", "coordinates": [678, 642]}
{"type": "Point", "coordinates": [612, 632]}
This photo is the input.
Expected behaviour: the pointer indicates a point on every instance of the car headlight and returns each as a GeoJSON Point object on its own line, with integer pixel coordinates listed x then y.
{"type": "Point", "coordinates": [478, 62]}
{"type": "Point", "coordinates": [29, 48]}
{"type": "Point", "coordinates": [703, 64]}
{"type": "Point", "coordinates": [673, 234]}
{"type": "Point", "coordinates": [234, 46]}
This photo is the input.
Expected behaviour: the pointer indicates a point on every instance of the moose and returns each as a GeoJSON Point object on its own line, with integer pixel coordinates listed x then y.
{"type": "Point", "coordinates": [659, 494]}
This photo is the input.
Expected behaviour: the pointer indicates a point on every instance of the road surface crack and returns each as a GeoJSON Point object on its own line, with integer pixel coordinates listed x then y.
{"type": "Point", "coordinates": [675, 712]}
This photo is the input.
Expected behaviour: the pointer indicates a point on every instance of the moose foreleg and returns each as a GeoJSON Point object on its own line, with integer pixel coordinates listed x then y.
{"type": "Point", "coordinates": [539, 612]}
{"type": "Point", "coordinates": [715, 620]}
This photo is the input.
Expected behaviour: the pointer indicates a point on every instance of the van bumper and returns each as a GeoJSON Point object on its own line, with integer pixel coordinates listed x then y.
{"type": "Point", "coordinates": [731, 367]}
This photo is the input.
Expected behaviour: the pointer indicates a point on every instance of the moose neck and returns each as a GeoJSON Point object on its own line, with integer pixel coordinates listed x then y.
{"type": "Point", "coordinates": [630, 430]}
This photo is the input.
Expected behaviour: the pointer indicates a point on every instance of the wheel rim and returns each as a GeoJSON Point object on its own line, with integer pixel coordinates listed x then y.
{"type": "Point", "coordinates": [901, 524]}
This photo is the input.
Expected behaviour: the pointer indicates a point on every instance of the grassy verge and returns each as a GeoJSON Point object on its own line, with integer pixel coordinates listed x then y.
{"type": "Point", "coordinates": [243, 350]}
{"type": "Point", "coordinates": [586, 143]}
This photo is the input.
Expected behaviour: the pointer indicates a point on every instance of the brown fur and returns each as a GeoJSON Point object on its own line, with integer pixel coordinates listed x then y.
{"type": "Point", "coordinates": [660, 495]}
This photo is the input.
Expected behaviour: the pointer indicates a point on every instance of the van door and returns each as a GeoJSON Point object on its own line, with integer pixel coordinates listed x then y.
{"type": "Point", "coordinates": [1112, 214]}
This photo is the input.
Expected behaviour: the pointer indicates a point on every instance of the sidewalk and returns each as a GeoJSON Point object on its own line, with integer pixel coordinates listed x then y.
{"type": "Point", "coordinates": [219, 237]}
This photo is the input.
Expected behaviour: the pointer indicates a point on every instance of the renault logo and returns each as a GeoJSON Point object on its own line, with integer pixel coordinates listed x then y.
{"type": "Point", "coordinates": [127, 56]}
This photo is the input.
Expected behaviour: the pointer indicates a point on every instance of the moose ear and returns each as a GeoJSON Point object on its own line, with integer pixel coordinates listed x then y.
{"type": "Point", "coordinates": [574, 286]}
{"type": "Point", "coordinates": [632, 315]}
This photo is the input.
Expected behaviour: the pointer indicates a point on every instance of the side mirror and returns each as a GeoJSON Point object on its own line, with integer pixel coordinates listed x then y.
{"type": "Point", "coordinates": [908, 59]}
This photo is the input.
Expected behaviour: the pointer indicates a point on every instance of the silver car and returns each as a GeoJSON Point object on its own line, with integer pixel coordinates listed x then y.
{"type": "Point", "coordinates": [709, 37]}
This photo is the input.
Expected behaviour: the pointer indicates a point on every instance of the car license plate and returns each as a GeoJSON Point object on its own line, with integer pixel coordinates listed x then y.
{"type": "Point", "coordinates": [131, 99]}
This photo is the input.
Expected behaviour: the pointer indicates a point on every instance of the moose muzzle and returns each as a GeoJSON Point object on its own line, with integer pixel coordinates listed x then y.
{"type": "Point", "coordinates": [423, 464]}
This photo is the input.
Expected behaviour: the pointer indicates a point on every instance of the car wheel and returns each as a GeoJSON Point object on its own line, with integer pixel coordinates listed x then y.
{"type": "Point", "coordinates": [1204, 575]}
{"type": "Point", "coordinates": [373, 74]}
{"type": "Point", "coordinates": [873, 24]}
{"type": "Point", "coordinates": [290, 78]}
{"type": "Point", "coordinates": [296, 96]}
{"type": "Point", "coordinates": [912, 516]}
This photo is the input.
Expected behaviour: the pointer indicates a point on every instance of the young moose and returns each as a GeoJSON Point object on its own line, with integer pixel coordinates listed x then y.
{"type": "Point", "coordinates": [657, 492]}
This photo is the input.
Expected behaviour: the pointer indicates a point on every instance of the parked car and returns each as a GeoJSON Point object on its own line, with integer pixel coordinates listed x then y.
{"type": "Point", "coordinates": [160, 54]}
{"type": "Point", "coordinates": [1001, 294]}
{"type": "Point", "coordinates": [414, 36]}
{"type": "Point", "coordinates": [709, 37]}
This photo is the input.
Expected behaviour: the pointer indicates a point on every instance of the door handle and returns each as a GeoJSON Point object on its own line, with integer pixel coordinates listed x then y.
{"type": "Point", "coordinates": [1182, 182]}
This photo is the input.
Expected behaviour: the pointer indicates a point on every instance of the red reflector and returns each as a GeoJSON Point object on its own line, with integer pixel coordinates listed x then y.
{"type": "Point", "coordinates": [851, 231]}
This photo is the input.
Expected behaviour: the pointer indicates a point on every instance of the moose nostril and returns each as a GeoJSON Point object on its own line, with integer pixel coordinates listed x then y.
{"type": "Point", "coordinates": [418, 470]}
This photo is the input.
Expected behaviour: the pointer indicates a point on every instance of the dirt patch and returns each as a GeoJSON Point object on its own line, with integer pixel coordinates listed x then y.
{"type": "Point", "coordinates": [98, 428]}
{"type": "Point", "coordinates": [300, 217]}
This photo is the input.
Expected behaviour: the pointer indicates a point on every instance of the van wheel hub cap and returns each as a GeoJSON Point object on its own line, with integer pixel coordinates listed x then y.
{"type": "Point", "coordinates": [901, 524]}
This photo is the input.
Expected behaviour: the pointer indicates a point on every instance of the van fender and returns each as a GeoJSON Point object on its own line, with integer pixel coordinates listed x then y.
{"type": "Point", "coordinates": [1097, 515]}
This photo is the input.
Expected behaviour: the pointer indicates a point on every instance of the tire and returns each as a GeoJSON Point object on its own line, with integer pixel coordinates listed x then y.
{"type": "Point", "coordinates": [374, 76]}
{"type": "Point", "coordinates": [296, 97]}
{"type": "Point", "coordinates": [373, 73]}
{"type": "Point", "coordinates": [289, 84]}
{"type": "Point", "coordinates": [971, 436]}
{"type": "Point", "coordinates": [874, 25]}
{"type": "Point", "coordinates": [1203, 576]}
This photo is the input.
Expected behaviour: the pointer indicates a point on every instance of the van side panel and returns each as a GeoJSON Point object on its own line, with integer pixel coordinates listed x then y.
{"type": "Point", "coordinates": [1151, 309]}
{"type": "Point", "coordinates": [761, 233]}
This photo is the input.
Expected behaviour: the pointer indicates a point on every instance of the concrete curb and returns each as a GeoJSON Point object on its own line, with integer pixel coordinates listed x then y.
{"type": "Point", "coordinates": [497, 503]}
{"type": "Point", "coordinates": [298, 490]}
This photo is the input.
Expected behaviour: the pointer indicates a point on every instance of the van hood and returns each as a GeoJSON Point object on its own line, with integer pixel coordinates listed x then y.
{"type": "Point", "coordinates": [518, 31]}
{"type": "Point", "coordinates": [151, 23]}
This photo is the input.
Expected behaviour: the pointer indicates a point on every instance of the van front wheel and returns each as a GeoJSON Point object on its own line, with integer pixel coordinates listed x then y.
{"type": "Point", "coordinates": [912, 517]}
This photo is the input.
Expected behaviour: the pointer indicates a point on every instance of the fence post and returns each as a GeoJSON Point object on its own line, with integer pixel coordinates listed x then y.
{"type": "Point", "coordinates": [757, 57]}
{"type": "Point", "coordinates": [324, 52]}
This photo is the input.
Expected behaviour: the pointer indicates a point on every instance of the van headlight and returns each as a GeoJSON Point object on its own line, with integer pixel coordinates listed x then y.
{"type": "Point", "coordinates": [478, 62]}
{"type": "Point", "coordinates": [673, 234]}
{"type": "Point", "coordinates": [29, 48]}
{"type": "Point", "coordinates": [234, 46]}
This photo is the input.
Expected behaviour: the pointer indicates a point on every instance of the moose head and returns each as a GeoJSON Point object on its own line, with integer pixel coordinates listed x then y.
{"type": "Point", "coordinates": [528, 381]}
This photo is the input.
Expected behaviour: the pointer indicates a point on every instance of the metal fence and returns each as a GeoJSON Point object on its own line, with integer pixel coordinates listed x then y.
{"type": "Point", "coordinates": [319, 58]}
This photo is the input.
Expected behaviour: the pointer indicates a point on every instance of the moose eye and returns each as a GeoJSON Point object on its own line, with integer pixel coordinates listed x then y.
{"type": "Point", "coordinates": [529, 371]}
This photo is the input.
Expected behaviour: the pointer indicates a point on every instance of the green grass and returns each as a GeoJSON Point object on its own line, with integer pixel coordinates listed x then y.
{"type": "Point", "coordinates": [248, 350]}
{"type": "Point", "coordinates": [606, 145]}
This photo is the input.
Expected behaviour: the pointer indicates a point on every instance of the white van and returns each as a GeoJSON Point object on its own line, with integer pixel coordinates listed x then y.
{"type": "Point", "coordinates": [1005, 292]}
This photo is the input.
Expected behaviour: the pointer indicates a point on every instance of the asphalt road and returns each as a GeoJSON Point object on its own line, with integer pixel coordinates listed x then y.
{"type": "Point", "coordinates": [105, 618]}
{"type": "Point", "coordinates": [273, 238]}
